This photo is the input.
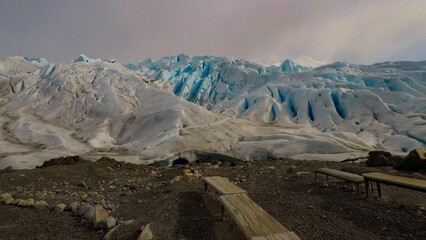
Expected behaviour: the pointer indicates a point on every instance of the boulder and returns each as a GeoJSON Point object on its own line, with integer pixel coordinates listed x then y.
{"type": "Point", "coordinates": [414, 161]}
{"type": "Point", "coordinates": [381, 158]}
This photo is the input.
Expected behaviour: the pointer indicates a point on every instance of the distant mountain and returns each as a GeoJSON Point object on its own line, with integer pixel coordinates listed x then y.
{"type": "Point", "coordinates": [187, 107]}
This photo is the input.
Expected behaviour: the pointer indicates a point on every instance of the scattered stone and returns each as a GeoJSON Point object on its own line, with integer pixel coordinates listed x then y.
{"type": "Point", "coordinates": [41, 195]}
{"type": "Point", "coordinates": [73, 207]}
{"type": "Point", "coordinates": [83, 196]}
{"type": "Point", "coordinates": [311, 207]}
{"type": "Point", "coordinates": [176, 179]}
{"type": "Point", "coordinates": [273, 168]}
{"type": "Point", "coordinates": [41, 204]}
{"type": "Point", "coordinates": [191, 176]}
{"type": "Point", "coordinates": [128, 222]}
{"type": "Point", "coordinates": [110, 232]}
{"type": "Point", "coordinates": [291, 168]}
{"type": "Point", "coordinates": [133, 186]}
{"type": "Point", "coordinates": [26, 203]}
{"type": "Point", "coordinates": [60, 207]}
{"type": "Point", "coordinates": [302, 173]}
{"type": "Point", "coordinates": [99, 214]}
{"type": "Point", "coordinates": [6, 197]}
{"type": "Point", "coordinates": [106, 223]}
{"type": "Point", "coordinates": [16, 201]}
{"type": "Point", "coordinates": [146, 233]}
{"type": "Point", "coordinates": [187, 171]}
{"type": "Point", "coordinates": [84, 209]}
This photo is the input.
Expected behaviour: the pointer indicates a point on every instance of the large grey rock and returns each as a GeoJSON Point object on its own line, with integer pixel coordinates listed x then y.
{"type": "Point", "coordinates": [381, 158]}
{"type": "Point", "coordinates": [414, 161]}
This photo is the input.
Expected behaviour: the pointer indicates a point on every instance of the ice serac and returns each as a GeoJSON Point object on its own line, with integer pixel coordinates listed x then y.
{"type": "Point", "coordinates": [205, 106]}
{"type": "Point", "coordinates": [382, 104]}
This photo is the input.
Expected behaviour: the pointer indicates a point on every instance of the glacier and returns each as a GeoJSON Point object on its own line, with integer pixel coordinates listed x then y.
{"type": "Point", "coordinates": [205, 106]}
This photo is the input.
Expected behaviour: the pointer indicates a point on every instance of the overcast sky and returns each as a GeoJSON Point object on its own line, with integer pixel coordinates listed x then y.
{"type": "Point", "coordinates": [266, 31]}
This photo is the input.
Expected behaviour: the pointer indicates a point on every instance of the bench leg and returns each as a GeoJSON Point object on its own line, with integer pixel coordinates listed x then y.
{"type": "Point", "coordinates": [326, 177]}
{"type": "Point", "coordinates": [379, 190]}
{"type": "Point", "coordinates": [223, 213]}
{"type": "Point", "coordinates": [357, 188]}
{"type": "Point", "coordinates": [367, 190]}
{"type": "Point", "coordinates": [315, 176]}
{"type": "Point", "coordinates": [205, 187]}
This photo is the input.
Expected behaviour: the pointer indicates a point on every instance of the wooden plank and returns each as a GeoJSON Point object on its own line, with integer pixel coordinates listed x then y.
{"type": "Point", "coordinates": [412, 183]}
{"type": "Point", "coordinates": [223, 186]}
{"type": "Point", "coordinates": [340, 174]}
{"type": "Point", "coordinates": [255, 222]}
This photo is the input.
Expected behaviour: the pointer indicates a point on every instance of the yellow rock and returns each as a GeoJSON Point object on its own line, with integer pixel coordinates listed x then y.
{"type": "Point", "coordinates": [191, 176]}
{"type": "Point", "coordinates": [176, 179]}
{"type": "Point", "coordinates": [83, 196]}
{"type": "Point", "coordinates": [272, 168]}
{"type": "Point", "coordinates": [187, 171]}
{"type": "Point", "coordinates": [5, 197]}
{"type": "Point", "coordinates": [26, 203]}
{"type": "Point", "coordinates": [100, 214]}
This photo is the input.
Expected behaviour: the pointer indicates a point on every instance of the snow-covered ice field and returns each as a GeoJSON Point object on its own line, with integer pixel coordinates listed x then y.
{"type": "Point", "coordinates": [184, 107]}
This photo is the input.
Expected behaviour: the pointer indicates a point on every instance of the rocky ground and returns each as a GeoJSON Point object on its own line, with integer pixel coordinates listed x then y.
{"type": "Point", "coordinates": [172, 200]}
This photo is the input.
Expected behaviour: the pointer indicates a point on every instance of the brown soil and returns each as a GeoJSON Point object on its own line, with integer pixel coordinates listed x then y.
{"type": "Point", "coordinates": [181, 210]}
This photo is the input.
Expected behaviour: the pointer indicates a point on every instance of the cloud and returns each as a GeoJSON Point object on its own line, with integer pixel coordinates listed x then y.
{"type": "Point", "coordinates": [268, 31]}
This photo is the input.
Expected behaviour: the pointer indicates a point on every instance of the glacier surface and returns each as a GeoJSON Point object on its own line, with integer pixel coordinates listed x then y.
{"type": "Point", "coordinates": [201, 106]}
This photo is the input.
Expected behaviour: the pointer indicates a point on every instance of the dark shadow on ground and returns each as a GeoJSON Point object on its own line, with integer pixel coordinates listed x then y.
{"type": "Point", "coordinates": [195, 220]}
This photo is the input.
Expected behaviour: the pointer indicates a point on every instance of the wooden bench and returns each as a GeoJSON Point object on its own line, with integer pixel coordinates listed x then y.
{"type": "Point", "coordinates": [222, 185]}
{"type": "Point", "coordinates": [255, 222]}
{"type": "Point", "coordinates": [357, 179]}
{"type": "Point", "coordinates": [405, 182]}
